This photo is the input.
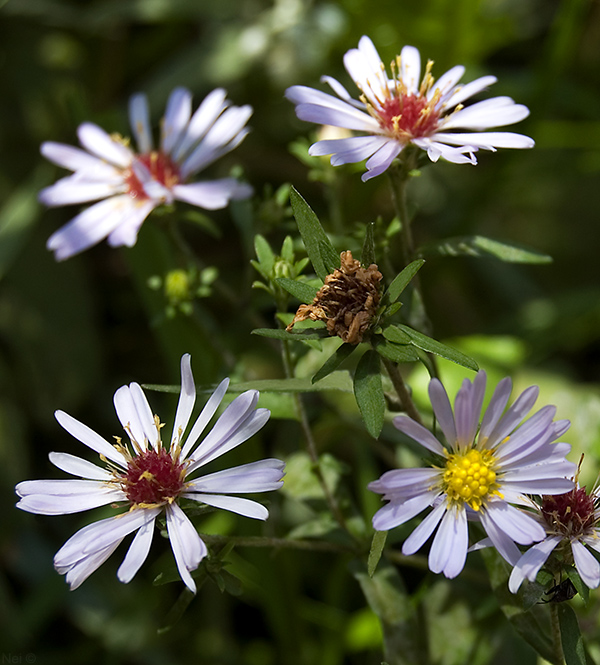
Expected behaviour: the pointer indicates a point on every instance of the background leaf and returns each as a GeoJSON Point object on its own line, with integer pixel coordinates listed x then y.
{"type": "Point", "coordinates": [368, 390]}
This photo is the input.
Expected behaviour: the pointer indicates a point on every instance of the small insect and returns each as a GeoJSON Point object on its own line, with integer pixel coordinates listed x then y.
{"type": "Point", "coordinates": [561, 592]}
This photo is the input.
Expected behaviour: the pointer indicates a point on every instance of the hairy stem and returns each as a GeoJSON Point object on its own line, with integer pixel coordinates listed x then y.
{"type": "Point", "coordinates": [402, 391]}
{"type": "Point", "coordinates": [559, 657]}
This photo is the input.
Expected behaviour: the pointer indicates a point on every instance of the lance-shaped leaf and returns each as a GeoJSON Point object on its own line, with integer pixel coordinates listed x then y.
{"type": "Point", "coordinates": [294, 335]}
{"type": "Point", "coordinates": [334, 361]}
{"type": "Point", "coordinates": [368, 390]}
{"type": "Point", "coordinates": [401, 281]}
{"type": "Point", "coordinates": [377, 545]}
{"type": "Point", "coordinates": [582, 589]}
{"type": "Point", "coordinates": [398, 353]}
{"type": "Point", "coordinates": [301, 290]}
{"type": "Point", "coordinates": [480, 246]}
{"type": "Point", "coordinates": [570, 635]}
{"type": "Point", "coordinates": [368, 250]}
{"type": "Point", "coordinates": [430, 345]}
{"type": "Point", "coordinates": [265, 255]}
{"type": "Point", "coordinates": [320, 251]}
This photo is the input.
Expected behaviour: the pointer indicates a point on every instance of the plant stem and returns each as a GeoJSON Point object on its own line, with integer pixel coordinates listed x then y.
{"type": "Point", "coordinates": [556, 638]}
{"type": "Point", "coordinates": [310, 441]}
{"type": "Point", "coordinates": [278, 543]}
{"type": "Point", "coordinates": [401, 390]}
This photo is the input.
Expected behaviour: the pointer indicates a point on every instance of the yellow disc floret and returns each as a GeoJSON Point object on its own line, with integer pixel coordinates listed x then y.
{"type": "Point", "coordinates": [470, 477]}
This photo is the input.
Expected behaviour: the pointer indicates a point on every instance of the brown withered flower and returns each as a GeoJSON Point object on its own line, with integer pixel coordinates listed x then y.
{"type": "Point", "coordinates": [347, 301]}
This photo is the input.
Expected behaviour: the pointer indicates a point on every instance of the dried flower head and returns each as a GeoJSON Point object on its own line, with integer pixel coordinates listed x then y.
{"type": "Point", "coordinates": [347, 301]}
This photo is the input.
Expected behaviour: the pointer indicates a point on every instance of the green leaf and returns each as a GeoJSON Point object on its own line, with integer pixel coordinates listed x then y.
{"type": "Point", "coordinates": [368, 250]}
{"type": "Point", "coordinates": [368, 390]}
{"type": "Point", "coordinates": [394, 334]}
{"type": "Point", "coordinates": [570, 635]}
{"type": "Point", "coordinates": [582, 589]}
{"type": "Point", "coordinates": [319, 249]}
{"type": "Point", "coordinates": [401, 281]}
{"type": "Point", "coordinates": [334, 361]}
{"type": "Point", "coordinates": [480, 246]}
{"type": "Point", "coordinates": [295, 335]}
{"type": "Point", "coordinates": [425, 343]}
{"type": "Point", "coordinates": [398, 353]}
{"type": "Point", "coordinates": [287, 249]}
{"type": "Point", "coordinates": [264, 253]}
{"type": "Point", "coordinates": [301, 290]}
{"type": "Point", "coordinates": [377, 545]}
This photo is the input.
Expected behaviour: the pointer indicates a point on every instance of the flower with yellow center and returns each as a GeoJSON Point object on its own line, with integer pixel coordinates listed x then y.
{"type": "Point", "coordinates": [398, 112]}
{"type": "Point", "coordinates": [485, 469]}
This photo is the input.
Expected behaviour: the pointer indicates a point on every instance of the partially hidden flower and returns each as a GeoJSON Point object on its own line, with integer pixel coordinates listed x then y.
{"type": "Point", "coordinates": [482, 472]}
{"type": "Point", "coordinates": [347, 302]}
{"type": "Point", "coordinates": [394, 113]}
{"type": "Point", "coordinates": [150, 478]}
{"type": "Point", "coordinates": [571, 523]}
{"type": "Point", "coordinates": [129, 184]}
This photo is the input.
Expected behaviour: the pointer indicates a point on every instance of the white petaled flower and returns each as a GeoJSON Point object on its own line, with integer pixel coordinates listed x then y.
{"type": "Point", "coordinates": [129, 184]}
{"type": "Point", "coordinates": [571, 522]}
{"type": "Point", "coordinates": [481, 471]}
{"type": "Point", "coordinates": [150, 479]}
{"type": "Point", "coordinates": [403, 110]}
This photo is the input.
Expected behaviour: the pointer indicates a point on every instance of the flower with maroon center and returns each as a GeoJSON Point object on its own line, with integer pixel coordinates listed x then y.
{"type": "Point", "coordinates": [151, 479]}
{"type": "Point", "coordinates": [129, 184]}
{"type": "Point", "coordinates": [571, 522]}
{"type": "Point", "coordinates": [395, 113]}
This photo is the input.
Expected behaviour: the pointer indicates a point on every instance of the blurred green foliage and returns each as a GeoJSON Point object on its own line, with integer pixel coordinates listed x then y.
{"type": "Point", "coordinates": [71, 333]}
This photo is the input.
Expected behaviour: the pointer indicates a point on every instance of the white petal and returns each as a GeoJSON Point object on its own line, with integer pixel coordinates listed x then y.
{"type": "Point", "coordinates": [381, 160]}
{"type": "Point", "coordinates": [188, 547]}
{"type": "Point", "coordinates": [87, 436]}
{"type": "Point", "coordinates": [79, 571]}
{"type": "Point", "coordinates": [262, 476]}
{"type": "Point", "coordinates": [485, 115]}
{"type": "Point", "coordinates": [137, 553]}
{"type": "Point", "coordinates": [130, 420]}
{"type": "Point", "coordinates": [139, 119]}
{"type": "Point", "coordinates": [449, 548]}
{"type": "Point", "coordinates": [187, 399]}
{"type": "Point", "coordinates": [348, 118]}
{"type": "Point", "coordinates": [74, 189]}
{"type": "Point", "coordinates": [91, 226]}
{"type": "Point", "coordinates": [410, 61]}
{"type": "Point", "coordinates": [529, 565]}
{"type": "Point", "coordinates": [406, 481]}
{"type": "Point", "coordinates": [447, 82]}
{"type": "Point", "coordinates": [341, 92]}
{"type": "Point", "coordinates": [126, 233]}
{"type": "Point", "coordinates": [495, 409]}
{"type": "Point", "coordinates": [177, 117]}
{"type": "Point", "coordinates": [486, 140]}
{"type": "Point", "coordinates": [77, 466]}
{"type": "Point", "coordinates": [419, 433]}
{"type": "Point", "coordinates": [205, 116]}
{"type": "Point", "coordinates": [76, 159]}
{"type": "Point", "coordinates": [587, 564]}
{"type": "Point", "coordinates": [470, 89]}
{"type": "Point", "coordinates": [517, 525]}
{"type": "Point", "coordinates": [435, 150]}
{"type": "Point", "coordinates": [214, 194]}
{"type": "Point", "coordinates": [51, 501]}
{"type": "Point", "coordinates": [234, 504]}
{"type": "Point", "coordinates": [350, 150]}
{"type": "Point", "coordinates": [502, 542]}
{"type": "Point", "coordinates": [95, 140]}
{"type": "Point", "coordinates": [204, 418]}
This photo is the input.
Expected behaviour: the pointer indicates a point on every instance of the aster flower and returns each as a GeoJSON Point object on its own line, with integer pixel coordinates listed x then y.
{"type": "Point", "coordinates": [397, 112]}
{"type": "Point", "coordinates": [129, 185]}
{"type": "Point", "coordinates": [571, 522]}
{"type": "Point", "coordinates": [150, 479]}
{"type": "Point", "coordinates": [479, 474]}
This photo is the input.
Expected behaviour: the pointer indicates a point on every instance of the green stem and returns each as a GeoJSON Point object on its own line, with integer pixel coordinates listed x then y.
{"type": "Point", "coordinates": [402, 391]}
{"type": "Point", "coordinates": [559, 657]}
{"type": "Point", "coordinates": [277, 543]}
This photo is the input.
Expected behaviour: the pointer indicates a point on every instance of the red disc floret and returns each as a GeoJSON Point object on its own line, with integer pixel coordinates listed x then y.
{"type": "Point", "coordinates": [570, 513]}
{"type": "Point", "coordinates": [408, 115]}
{"type": "Point", "coordinates": [153, 478]}
{"type": "Point", "coordinates": [162, 169]}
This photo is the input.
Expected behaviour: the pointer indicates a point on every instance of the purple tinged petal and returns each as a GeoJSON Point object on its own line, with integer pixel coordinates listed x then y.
{"type": "Point", "coordinates": [177, 118]}
{"type": "Point", "coordinates": [495, 410]}
{"type": "Point", "coordinates": [531, 435]}
{"type": "Point", "coordinates": [96, 141]}
{"type": "Point", "coordinates": [587, 564]}
{"type": "Point", "coordinates": [417, 432]}
{"type": "Point", "coordinates": [212, 195]}
{"type": "Point", "coordinates": [234, 504]}
{"type": "Point", "coordinates": [529, 565]}
{"type": "Point", "coordinates": [261, 476]}
{"type": "Point", "coordinates": [396, 513]}
{"type": "Point", "coordinates": [442, 410]}
{"type": "Point", "coordinates": [79, 571]}
{"type": "Point", "coordinates": [406, 481]}
{"type": "Point", "coordinates": [88, 437]}
{"type": "Point", "coordinates": [63, 497]}
{"type": "Point", "coordinates": [126, 233]}
{"type": "Point", "coordinates": [485, 140]}
{"type": "Point", "coordinates": [382, 159]}
{"type": "Point", "coordinates": [517, 525]}
{"type": "Point", "coordinates": [77, 466]}
{"type": "Point", "coordinates": [75, 159]}
{"type": "Point", "coordinates": [515, 414]}
{"type": "Point", "coordinates": [204, 117]}
{"type": "Point", "coordinates": [502, 542]}
{"type": "Point", "coordinates": [490, 113]}
{"type": "Point", "coordinates": [449, 548]}
{"type": "Point", "coordinates": [75, 189]}
{"type": "Point", "coordinates": [348, 150]}
{"type": "Point", "coordinates": [421, 534]}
